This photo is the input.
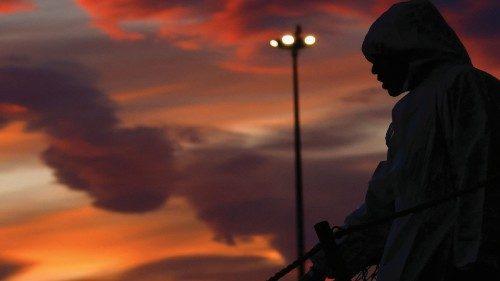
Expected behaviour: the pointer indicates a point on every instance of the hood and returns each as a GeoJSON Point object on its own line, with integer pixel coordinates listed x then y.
{"type": "Point", "coordinates": [416, 33]}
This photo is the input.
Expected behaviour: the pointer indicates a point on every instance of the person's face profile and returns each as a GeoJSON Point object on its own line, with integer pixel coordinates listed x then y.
{"type": "Point", "coordinates": [391, 73]}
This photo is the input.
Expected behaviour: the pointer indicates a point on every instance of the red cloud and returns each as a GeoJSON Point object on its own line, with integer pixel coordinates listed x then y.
{"type": "Point", "coordinates": [190, 25]}
{"type": "Point", "coordinates": [235, 30]}
{"type": "Point", "coordinates": [15, 6]}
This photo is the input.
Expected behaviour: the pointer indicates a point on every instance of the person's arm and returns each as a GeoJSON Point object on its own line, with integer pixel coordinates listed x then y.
{"type": "Point", "coordinates": [365, 248]}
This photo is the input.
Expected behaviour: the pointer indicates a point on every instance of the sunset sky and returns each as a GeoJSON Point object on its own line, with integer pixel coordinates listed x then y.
{"type": "Point", "coordinates": [152, 139]}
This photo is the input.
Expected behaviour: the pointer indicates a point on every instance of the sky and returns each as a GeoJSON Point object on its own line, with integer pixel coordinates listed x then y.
{"type": "Point", "coordinates": [152, 139]}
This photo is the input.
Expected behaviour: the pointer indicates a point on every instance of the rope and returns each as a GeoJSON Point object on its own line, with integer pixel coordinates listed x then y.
{"type": "Point", "coordinates": [363, 275]}
{"type": "Point", "coordinates": [354, 228]}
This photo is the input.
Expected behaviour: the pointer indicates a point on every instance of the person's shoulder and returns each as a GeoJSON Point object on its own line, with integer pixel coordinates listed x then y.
{"type": "Point", "coordinates": [462, 76]}
{"type": "Point", "coordinates": [467, 85]}
{"type": "Point", "coordinates": [471, 74]}
{"type": "Point", "coordinates": [456, 72]}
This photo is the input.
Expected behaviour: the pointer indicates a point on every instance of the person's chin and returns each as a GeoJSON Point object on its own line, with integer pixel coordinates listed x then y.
{"type": "Point", "coordinates": [393, 92]}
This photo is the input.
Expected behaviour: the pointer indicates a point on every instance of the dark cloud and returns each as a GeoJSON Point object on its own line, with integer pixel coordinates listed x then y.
{"type": "Point", "coordinates": [122, 169]}
{"type": "Point", "coordinates": [243, 193]}
{"type": "Point", "coordinates": [203, 268]}
{"type": "Point", "coordinates": [9, 268]}
{"type": "Point", "coordinates": [484, 23]}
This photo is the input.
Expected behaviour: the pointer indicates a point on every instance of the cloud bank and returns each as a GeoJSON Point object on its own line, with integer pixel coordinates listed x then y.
{"type": "Point", "coordinates": [122, 169]}
{"type": "Point", "coordinates": [237, 191]}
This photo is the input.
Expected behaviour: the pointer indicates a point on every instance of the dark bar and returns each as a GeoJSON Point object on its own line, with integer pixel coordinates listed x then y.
{"type": "Point", "coordinates": [330, 248]}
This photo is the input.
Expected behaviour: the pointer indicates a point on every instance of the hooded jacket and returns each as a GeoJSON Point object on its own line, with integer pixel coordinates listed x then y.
{"type": "Point", "coordinates": [444, 137]}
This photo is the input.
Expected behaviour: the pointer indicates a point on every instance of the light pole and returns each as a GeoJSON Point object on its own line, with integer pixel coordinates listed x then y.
{"type": "Point", "coordinates": [295, 43]}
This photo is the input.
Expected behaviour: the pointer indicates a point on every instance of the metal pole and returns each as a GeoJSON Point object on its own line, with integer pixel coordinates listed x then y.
{"type": "Point", "coordinates": [298, 158]}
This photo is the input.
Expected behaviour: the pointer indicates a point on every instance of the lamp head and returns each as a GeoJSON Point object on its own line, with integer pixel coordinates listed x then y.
{"type": "Point", "coordinates": [288, 40]}
{"type": "Point", "coordinates": [309, 40]}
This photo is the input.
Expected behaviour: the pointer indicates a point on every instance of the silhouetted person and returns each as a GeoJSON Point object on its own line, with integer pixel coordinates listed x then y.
{"type": "Point", "coordinates": [444, 137]}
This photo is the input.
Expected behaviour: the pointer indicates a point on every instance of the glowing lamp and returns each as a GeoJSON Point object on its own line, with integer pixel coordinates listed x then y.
{"type": "Point", "coordinates": [288, 39]}
{"type": "Point", "coordinates": [310, 40]}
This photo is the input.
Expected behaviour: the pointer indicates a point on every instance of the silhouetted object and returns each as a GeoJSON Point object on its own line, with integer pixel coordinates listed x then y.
{"type": "Point", "coordinates": [319, 270]}
{"type": "Point", "coordinates": [294, 44]}
{"type": "Point", "coordinates": [444, 138]}
{"type": "Point", "coordinates": [330, 251]}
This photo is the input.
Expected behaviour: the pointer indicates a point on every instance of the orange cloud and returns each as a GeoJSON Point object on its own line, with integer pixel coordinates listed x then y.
{"type": "Point", "coordinates": [141, 94]}
{"type": "Point", "coordinates": [15, 143]}
{"type": "Point", "coordinates": [15, 6]}
{"type": "Point", "coordinates": [11, 109]}
{"type": "Point", "coordinates": [83, 242]}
